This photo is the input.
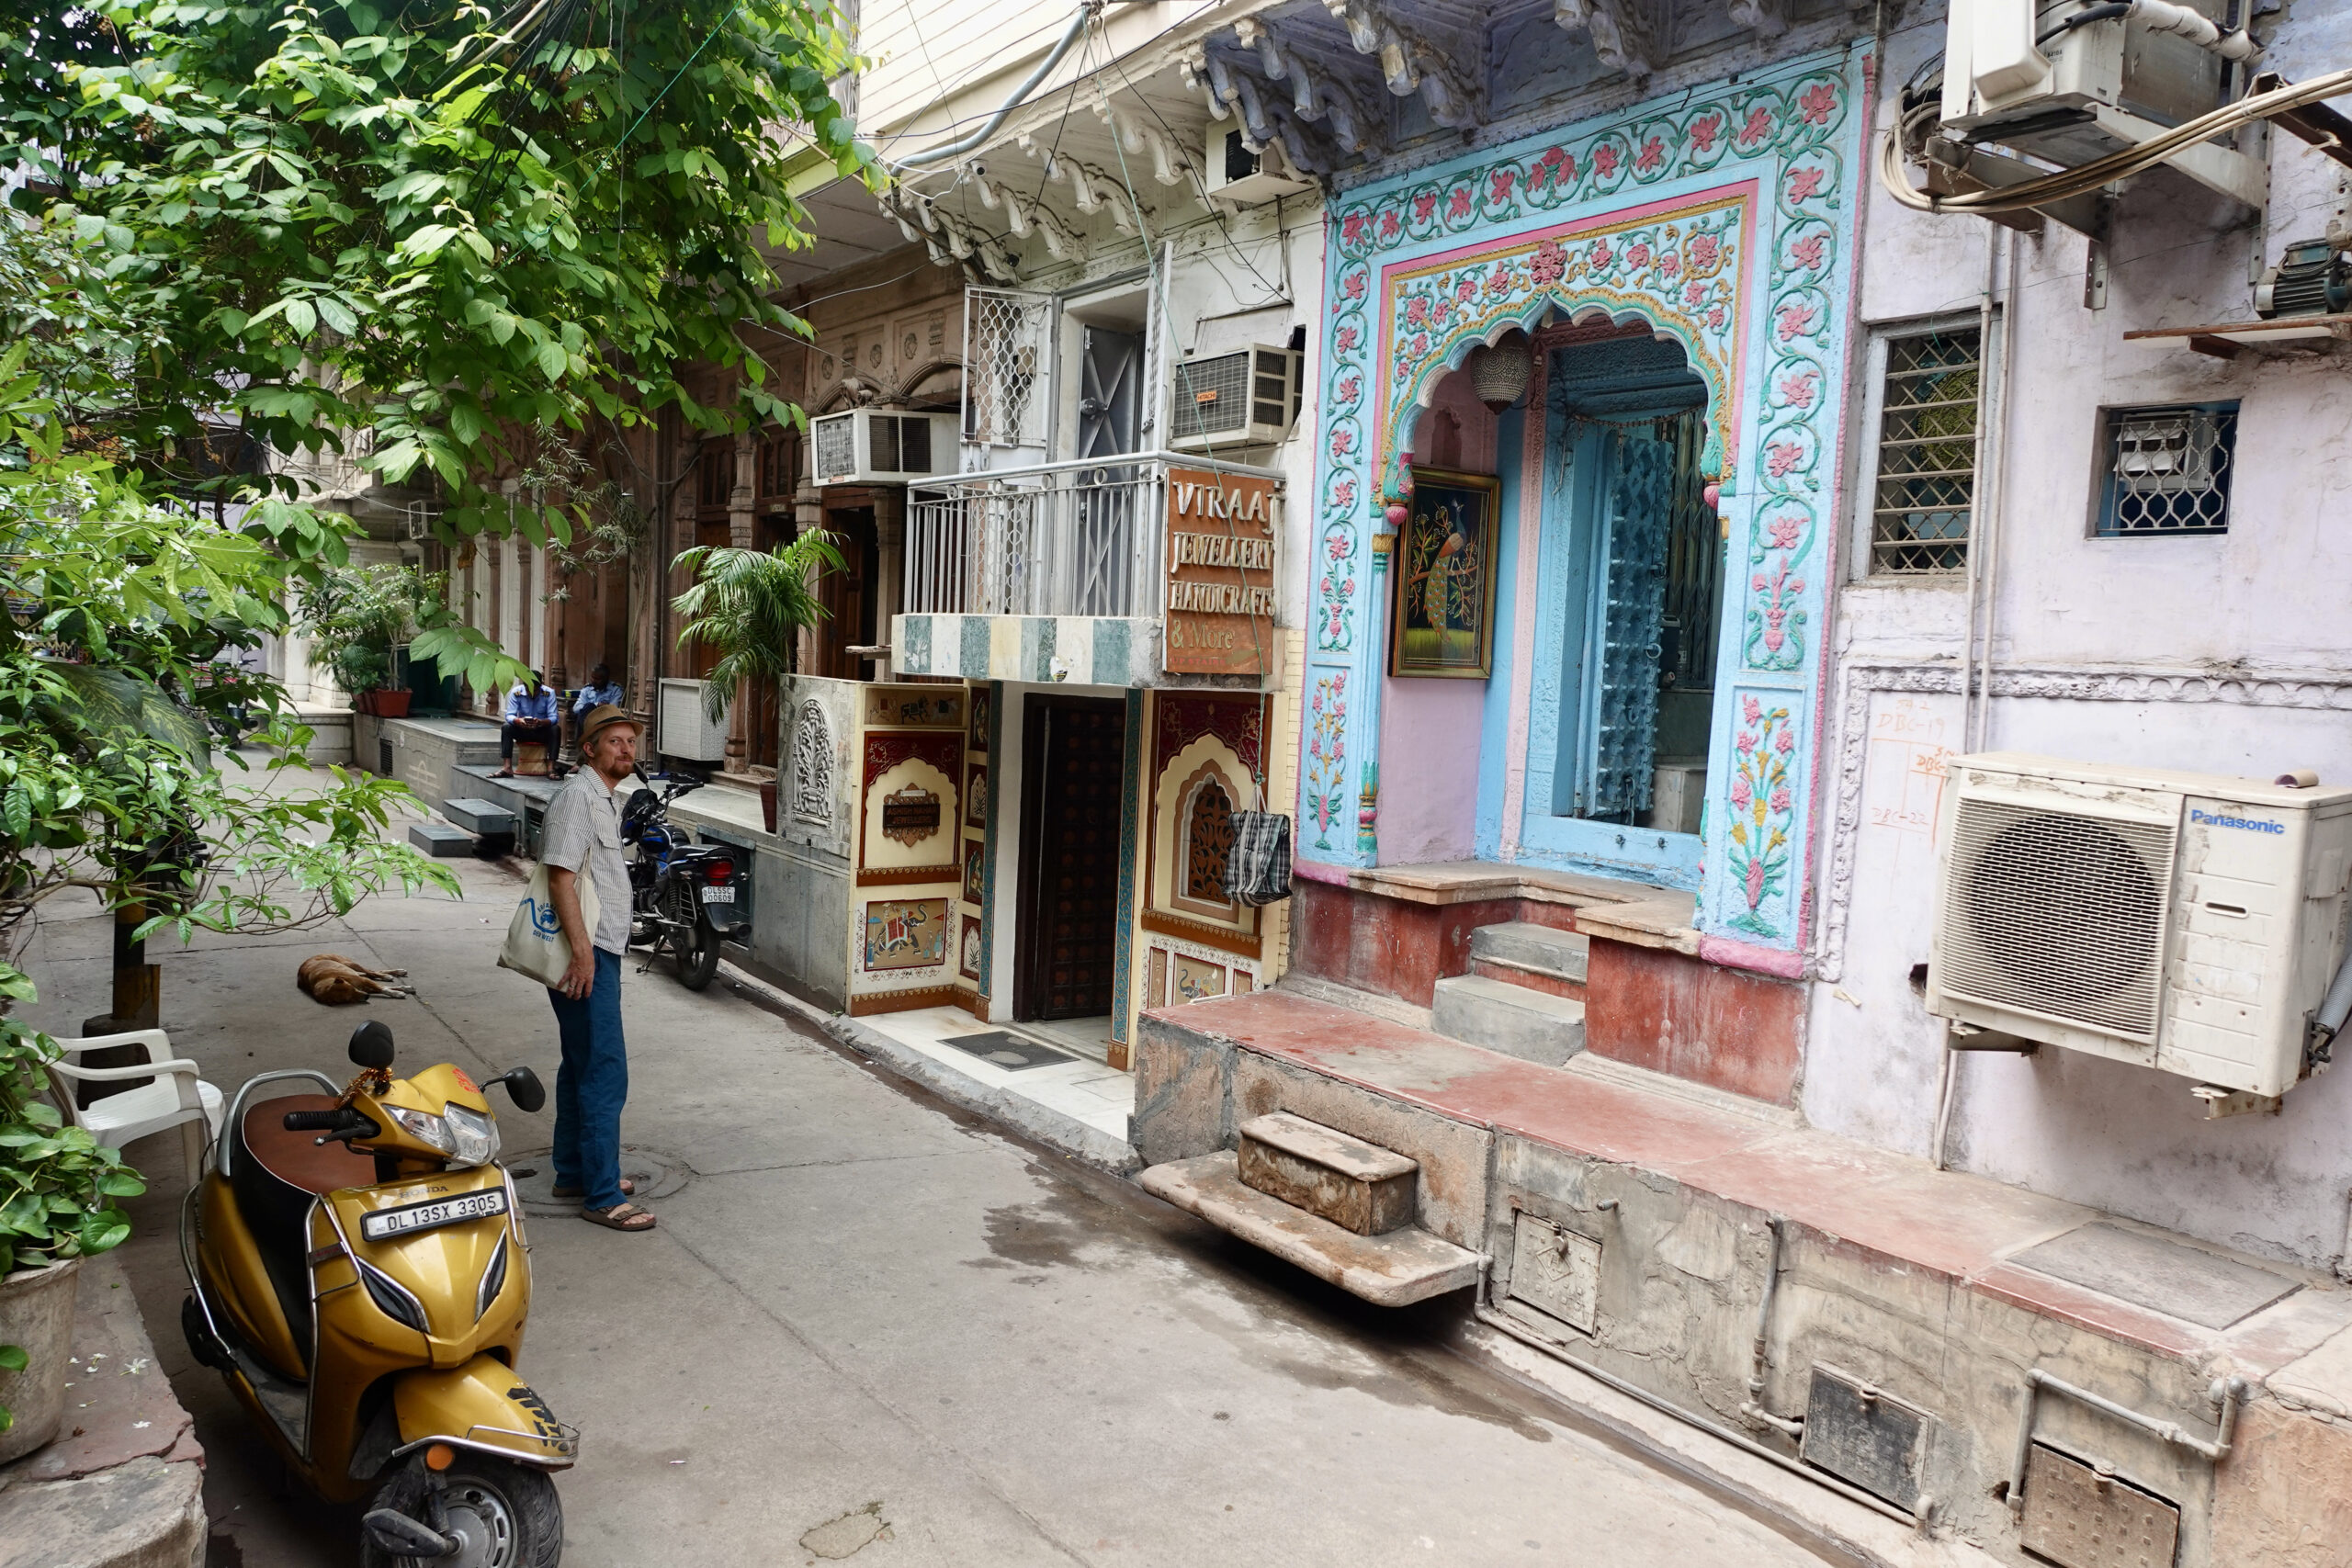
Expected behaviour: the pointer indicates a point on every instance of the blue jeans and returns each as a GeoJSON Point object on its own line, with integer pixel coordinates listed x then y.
{"type": "Point", "coordinates": [591, 1086]}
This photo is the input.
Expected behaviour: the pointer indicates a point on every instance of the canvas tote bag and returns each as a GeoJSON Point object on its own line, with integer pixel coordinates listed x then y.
{"type": "Point", "coordinates": [535, 940]}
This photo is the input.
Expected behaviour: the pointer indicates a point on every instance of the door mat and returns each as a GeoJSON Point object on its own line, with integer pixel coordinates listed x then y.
{"type": "Point", "coordinates": [1010, 1052]}
{"type": "Point", "coordinates": [2163, 1276]}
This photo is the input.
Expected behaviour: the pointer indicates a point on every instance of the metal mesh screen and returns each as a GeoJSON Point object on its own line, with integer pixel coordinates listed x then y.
{"type": "Point", "coordinates": [1927, 453]}
{"type": "Point", "coordinates": [1212, 395]}
{"type": "Point", "coordinates": [2058, 914]}
{"type": "Point", "coordinates": [835, 438]}
{"type": "Point", "coordinates": [1007, 366]}
{"type": "Point", "coordinates": [2168, 469]}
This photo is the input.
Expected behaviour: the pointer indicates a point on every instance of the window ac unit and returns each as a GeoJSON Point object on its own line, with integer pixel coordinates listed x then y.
{"type": "Point", "coordinates": [2069, 82]}
{"type": "Point", "coordinates": [1237, 174]}
{"type": "Point", "coordinates": [683, 726]}
{"type": "Point", "coordinates": [1245, 399]}
{"type": "Point", "coordinates": [875, 446]}
{"type": "Point", "coordinates": [2184, 922]}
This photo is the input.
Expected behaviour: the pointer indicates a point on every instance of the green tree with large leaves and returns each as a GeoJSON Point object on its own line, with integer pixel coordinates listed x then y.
{"type": "Point", "coordinates": [432, 233]}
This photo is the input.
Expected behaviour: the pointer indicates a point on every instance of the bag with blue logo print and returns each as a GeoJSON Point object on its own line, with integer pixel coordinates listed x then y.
{"type": "Point", "coordinates": [534, 940]}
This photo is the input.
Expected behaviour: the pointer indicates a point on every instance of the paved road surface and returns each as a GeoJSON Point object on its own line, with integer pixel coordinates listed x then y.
{"type": "Point", "coordinates": [870, 1327]}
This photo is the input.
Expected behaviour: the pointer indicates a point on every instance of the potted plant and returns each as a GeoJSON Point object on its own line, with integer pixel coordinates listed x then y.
{"type": "Point", "coordinates": [57, 1206]}
{"type": "Point", "coordinates": [747, 607]}
{"type": "Point", "coordinates": [356, 617]}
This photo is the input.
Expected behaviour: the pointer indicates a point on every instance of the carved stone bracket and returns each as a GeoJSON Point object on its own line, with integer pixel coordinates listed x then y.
{"type": "Point", "coordinates": [1094, 190]}
{"type": "Point", "coordinates": [951, 241]}
{"type": "Point", "coordinates": [2322, 692]}
{"type": "Point", "coordinates": [1632, 36]}
{"type": "Point", "coordinates": [1766, 19]}
{"type": "Point", "coordinates": [1170, 164]}
{"type": "Point", "coordinates": [1026, 216]}
{"type": "Point", "coordinates": [1232, 94]}
{"type": "Point", "coordinates": [1408, 62]}
{"type": "Point", "coordinates": [1313, 95]}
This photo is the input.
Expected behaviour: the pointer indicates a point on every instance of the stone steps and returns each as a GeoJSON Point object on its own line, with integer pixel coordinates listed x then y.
{"type": "Point", "coordinates": [1541, 952]}
{"type": "Point", "coordinates": [1357, 1186]}
{"type": "Point", "coordinates": [1532, 1025]}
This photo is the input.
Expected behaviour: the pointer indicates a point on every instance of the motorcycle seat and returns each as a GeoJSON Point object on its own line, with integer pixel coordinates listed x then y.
{"type": "Point", "coordinates": [298, 1159]}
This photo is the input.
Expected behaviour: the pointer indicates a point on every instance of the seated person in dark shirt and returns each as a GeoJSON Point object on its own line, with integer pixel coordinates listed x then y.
{"type": "Point", "coordinates": [530, 716]}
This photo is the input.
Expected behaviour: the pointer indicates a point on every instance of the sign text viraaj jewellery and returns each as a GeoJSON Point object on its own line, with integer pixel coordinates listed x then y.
{"type": "Point", "coordinates": [1220, 573]}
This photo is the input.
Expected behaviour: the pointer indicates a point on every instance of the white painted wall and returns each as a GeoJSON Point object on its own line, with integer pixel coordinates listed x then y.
{"type": "Point", "coordinates": [2270, 597]}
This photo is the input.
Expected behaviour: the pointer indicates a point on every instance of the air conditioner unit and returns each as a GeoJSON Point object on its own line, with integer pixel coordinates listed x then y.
{"type": "Point", "coordinates": [2069, 82]}
{"type": "Point", "coordinates": [1246, 399]}
{"type": "Point", "coordinates": [1237, 174]}
{"type": "Point", "coordinates": [682, 725]}
{"type": "Point", "coordinates": [876, 447]}
{"type": "Point", "coordinates": [2184, 922]}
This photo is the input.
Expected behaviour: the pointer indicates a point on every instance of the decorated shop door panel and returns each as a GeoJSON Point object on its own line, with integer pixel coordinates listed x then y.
{"type": "Point", "coordinates": [909, 846]}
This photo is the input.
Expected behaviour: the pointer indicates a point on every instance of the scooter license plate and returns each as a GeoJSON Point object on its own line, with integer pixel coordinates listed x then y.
{"type": "Point", "coordinates": [718, 895]}
{"type": "Point", "coordinates": [411, 1217]}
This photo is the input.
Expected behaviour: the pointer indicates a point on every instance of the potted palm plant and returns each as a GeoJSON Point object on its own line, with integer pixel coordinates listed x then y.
{"type": "Point", "coordinates": [749, 606]}
{"type": "Point", "coordinates": [356, 617]}
{"type": "Point", "coordinates": [57, 1206]}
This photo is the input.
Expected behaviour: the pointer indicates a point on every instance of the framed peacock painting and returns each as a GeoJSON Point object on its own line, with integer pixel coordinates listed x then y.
{"type": "Point", "coordinates": [1444, 617]}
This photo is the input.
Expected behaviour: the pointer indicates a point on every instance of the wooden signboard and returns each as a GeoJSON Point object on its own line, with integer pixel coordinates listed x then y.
{"type": "Point", "coordinates": [1220, 609]}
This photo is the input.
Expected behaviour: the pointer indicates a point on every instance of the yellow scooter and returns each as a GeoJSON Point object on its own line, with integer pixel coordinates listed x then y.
{"type": "Point", "coordinates": [358, 1273]}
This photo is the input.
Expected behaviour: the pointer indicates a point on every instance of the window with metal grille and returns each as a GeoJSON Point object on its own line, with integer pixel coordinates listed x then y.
{"type": "Point", "coordinates": [1007, 366]}
{"type": "Point", "coordinates": [2166, 470]}
{"type": "Point", "coordinates": [1926, 492]}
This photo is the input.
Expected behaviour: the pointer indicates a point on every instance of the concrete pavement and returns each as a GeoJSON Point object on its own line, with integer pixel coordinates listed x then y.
{"type": "Point", "coordinates": [872, 1326]}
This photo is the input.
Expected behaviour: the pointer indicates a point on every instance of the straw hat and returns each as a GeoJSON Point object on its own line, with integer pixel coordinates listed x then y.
{"type": "Point", "coordinates": [602, 719]}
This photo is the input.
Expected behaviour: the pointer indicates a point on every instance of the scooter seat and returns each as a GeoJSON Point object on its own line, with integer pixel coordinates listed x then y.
{"type": "Point", "coordinates": [298, 1158]}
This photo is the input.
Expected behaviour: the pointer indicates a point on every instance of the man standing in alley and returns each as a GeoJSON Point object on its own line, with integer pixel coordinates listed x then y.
{"type": "Point", "coordinates": [583, 837]}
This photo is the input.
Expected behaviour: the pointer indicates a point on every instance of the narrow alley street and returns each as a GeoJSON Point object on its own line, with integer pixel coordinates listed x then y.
{"type": "Point", "coordinates": [871, 1325]}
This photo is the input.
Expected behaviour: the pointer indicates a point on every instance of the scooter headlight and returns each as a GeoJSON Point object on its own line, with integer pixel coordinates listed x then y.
{"type": "Point", "coordinates": [424, 1127]}
{"type": "Point", "coordinates": [474, 1134]}
{"type": "Point", "coordinates": [468, 1138]}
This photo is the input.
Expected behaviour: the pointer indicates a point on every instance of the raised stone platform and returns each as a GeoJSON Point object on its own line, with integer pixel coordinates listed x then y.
{"type": "Point", "coordinates": [1661, 1214]}
{"type": "Point", "coordinates": [122, 1484]}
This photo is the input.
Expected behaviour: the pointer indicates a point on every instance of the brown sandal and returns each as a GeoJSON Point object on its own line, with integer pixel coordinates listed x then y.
{"type": "Point", "coordinates": [620, 1217]}
{"type": "Point", "coordinates": [628, 1190]}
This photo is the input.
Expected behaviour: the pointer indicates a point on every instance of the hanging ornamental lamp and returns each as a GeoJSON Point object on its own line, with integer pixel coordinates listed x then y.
{"type": "Point", "coordinates": [1498, 371]}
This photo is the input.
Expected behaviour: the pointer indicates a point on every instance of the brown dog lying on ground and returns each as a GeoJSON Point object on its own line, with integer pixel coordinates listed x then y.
{"type": "Point", "coordinates": [338, 981]}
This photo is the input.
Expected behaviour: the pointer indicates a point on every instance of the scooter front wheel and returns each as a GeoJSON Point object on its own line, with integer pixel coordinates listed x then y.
{"type": "Point", "coordinates": [501, 1515]}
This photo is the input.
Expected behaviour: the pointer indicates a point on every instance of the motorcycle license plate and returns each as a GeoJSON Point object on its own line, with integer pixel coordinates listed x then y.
{"type": "Point", "coordinates": [718, 895]}
{"type": "Point", "coordinates": [411, 1217]}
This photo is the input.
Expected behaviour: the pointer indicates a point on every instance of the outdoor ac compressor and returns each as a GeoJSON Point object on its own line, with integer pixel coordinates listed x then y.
{"type": "Point", "coordinates": [2184, 922]}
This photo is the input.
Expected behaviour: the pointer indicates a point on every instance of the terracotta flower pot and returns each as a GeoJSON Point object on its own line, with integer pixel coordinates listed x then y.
{"type": "Point", "coordinates": [36, 1316]}
{"type": "Point", "coordinates": [768, 803]}
{"type": "Point", "coordinates": [390, 704]}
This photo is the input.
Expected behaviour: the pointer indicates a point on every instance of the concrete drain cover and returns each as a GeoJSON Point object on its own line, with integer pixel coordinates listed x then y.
{"type": "Point", "coordinates": [657, 1175]}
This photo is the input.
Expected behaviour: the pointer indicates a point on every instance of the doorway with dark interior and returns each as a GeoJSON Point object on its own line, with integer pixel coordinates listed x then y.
{"type": "Point", "coordinates": [1066, 940]}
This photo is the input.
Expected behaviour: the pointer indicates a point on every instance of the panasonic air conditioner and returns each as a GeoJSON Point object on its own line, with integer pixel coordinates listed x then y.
{"type": "Point", "coordinates": [1245, 399]}
{"type": "Point", "coordinates": [1237, 174]}
{"type": "Point", "coordinates": [2069, 82]}
{"type": "Point", "coordinates": [879, 446]}
{"type": "Point", "coordinates": [2183, 921]}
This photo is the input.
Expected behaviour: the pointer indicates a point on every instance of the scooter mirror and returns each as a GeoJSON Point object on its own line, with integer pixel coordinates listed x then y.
{"type": "Point", "coordinates": [523, 1086]}
{"type": "Point", "coordinates": [371, 1046]}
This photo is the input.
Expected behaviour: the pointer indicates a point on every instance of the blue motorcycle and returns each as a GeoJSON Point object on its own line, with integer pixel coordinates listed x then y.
{"type": "Point", "coordinates": [684, 896]}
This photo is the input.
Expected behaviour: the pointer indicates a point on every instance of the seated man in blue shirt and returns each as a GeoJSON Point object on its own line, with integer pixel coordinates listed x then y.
{"type": "Point", "coordinates": [602, 691]}
{"type": "Point", "coordinates": [530, 716]}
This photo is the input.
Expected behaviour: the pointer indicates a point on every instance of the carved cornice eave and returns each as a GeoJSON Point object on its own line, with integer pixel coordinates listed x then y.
{"type": "Point", "coordinates": [1410, 63]}
{"type": "Point", "coordinates": [1765, 19]}
{"type": "Point", "coordinates": [1232, 94]}
{"type": "Point", "coordinates": [1314, 94]}
{"type": "Point", "coordinates": [951, 241]}
{"type": "Point", "coordinates": [1632, 36]}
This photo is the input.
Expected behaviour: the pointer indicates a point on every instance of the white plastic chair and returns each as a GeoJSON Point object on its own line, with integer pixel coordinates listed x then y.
{"type": "Point", "coordinates": [177, 1097]}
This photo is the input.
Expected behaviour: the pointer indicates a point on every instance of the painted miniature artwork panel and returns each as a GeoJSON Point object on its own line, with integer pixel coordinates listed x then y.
{"type": "Point", "coordinates": [1446, 578]}
{"type": "Point", "coordinates": [906, 933]}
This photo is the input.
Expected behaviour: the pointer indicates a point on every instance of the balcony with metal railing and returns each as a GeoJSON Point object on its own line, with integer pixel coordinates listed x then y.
{"type": "Point", "coordinates": [1061, 572]}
